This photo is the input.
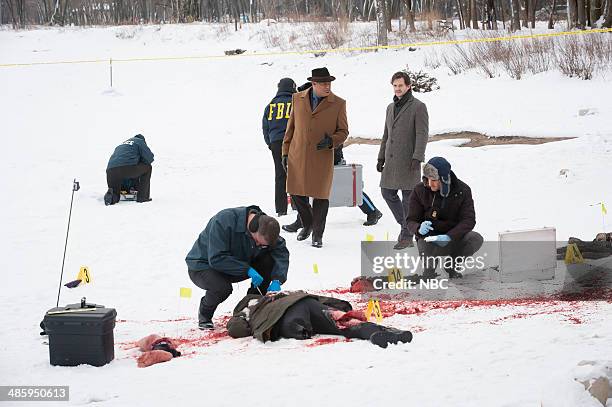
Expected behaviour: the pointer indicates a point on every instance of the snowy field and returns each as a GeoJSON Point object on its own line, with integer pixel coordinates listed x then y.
{"type": "Point", "coordinates": [202, 119]}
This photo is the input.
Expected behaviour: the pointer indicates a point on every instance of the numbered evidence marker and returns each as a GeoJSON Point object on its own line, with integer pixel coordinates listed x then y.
{"type": "Point", "coordinates": [374, 307]}
{"type": "Point", "coordinates": [315, 268]}
{"type": "Point", "coordinates": [369, 237]}
{"type": "Point", "coordinates": [573, 255]}
{"type": "Point", "coordinates": [395, 275]}
{"type": "Point", "coordinates": [84, 275]}
{"type": "Point", "coordinates": [185, 292]}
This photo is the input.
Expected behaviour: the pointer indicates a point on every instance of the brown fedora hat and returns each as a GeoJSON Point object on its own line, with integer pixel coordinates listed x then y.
{"type": "Point", "coordinates": [321, 75]}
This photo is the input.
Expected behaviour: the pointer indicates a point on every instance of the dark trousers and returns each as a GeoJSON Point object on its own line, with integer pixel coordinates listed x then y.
{"type": "Point", "coordinates": [312, 216]}
{"type": "Point", "coordinates": [399, 208]}
{"type": "Point", "coordinates": [280, 177]}
{"type": "Point", "coordinates": [308, 317]}
{"type": "Point", "coordinates": [467, 246]}
{"type": "Point", "coordinates": [367, 206]}
{"type": "Point", "coordinates": [218, 285]}
{"type": "Point", "coordinates": [141, 172]}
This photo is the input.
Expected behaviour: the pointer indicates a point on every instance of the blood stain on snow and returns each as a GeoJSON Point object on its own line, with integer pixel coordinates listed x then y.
{"type": "Point", "coordinates": [326, 341]}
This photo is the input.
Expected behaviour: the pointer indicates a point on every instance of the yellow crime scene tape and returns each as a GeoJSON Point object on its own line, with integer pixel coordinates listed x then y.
{"type": "Point", "coordinates": [333, 50]}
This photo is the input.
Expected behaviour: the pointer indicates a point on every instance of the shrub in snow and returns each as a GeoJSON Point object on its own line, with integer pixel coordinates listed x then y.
{"type": "Point", "coordinates": [421, 81]}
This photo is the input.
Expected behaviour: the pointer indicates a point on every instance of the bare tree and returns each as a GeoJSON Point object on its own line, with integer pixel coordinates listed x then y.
{"type": "Point", "coordinates": [551, 19]}
{"type": "Point", "coordinates": [581, 14]}
{"type": "Point", "coordinates": [572, 13]}
{"type": "Point", "coordinates": [380, 23]}
{"type": "Point", "coordinates": [410, 15]}
{"type": "Point", "coordinates": [608, 15]}
{"type": "Point", "coordinates": [516, 19]}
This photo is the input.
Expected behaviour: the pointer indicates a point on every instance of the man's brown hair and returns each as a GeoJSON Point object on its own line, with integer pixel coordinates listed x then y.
{"type": "Point", "coordinates": [269, 229]}
{"type": "Point", "coordinates": [401, 74]}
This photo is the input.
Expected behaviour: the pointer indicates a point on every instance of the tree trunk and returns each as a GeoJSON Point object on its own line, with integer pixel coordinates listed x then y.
{"type": "Point", "coordinates": [531, 12]}
{"type": "Point", "coordinates": [581, 14]}
{"type": "Point", "coordinates": [474, 14]}
{"type": "Point", "coordinates": [468, 13]}
{"type": "Point", "coordinates": [572, 13]}
{"type": "Point", "coordinates": [410, 15]}
{"type": "Point", "coordinates": [516, 19]}
{"type": "Point", "coordinates": [551, 19]}
{"type": "Point", "coordinates": [388, 14]}
{"type": "Point", "coordinates": [461, 13]}
{"type": "Point", "coordinates": [380, 23]}
{"type": "Point", "coordinates": [491, 14]}
{"type": "Point", "coordinates": [608, 19]}
{"type": "Point", "coordinates": [595, 11]}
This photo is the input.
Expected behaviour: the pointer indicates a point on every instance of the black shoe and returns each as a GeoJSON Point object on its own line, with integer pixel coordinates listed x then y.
{"type": "Point", "coordinates": [108, 197]}
{"type": "Point", "coordinates": [373, 218]}
{"type": "Point", "coordinates": [429, 275]}
{"type": "Point", "coordinates": [454, 274]}
{"type": "Point", "coordinates": [293, 227]}
{"type": "Point", "coordinates": [304, 234]}
{"type": "Point", "coordinates": [384, 338]}
{"type": "Point", "coordinates": [317, 242]}
{"type": "Point", "coordinates": [145, 200]}
{"type": "Point", "coordinates": [206, 325]}
{"type": "Point", "coordinates": [279, 214]}
{"type": "Point", "coordinates": [402, 244]}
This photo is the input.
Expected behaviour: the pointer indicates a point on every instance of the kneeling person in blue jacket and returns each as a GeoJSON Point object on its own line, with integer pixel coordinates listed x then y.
{"type": "Point", "coordinates": [237, 244]}
{"type": "Point", "coordinates": [131, 160]}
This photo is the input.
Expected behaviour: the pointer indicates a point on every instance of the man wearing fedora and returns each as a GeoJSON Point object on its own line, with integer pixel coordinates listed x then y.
{"type": "Point", "coordinates": [402, 150]}
{"type": "Point", "coordinates": [317, 125]}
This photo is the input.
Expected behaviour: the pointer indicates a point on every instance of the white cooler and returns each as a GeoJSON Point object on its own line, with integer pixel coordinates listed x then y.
{"type": "Point", "coordinates": [347, 186]}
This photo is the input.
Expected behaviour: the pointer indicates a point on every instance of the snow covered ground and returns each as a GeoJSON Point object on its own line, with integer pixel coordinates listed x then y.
{"type": "Point", "coordinates": [201, 118]}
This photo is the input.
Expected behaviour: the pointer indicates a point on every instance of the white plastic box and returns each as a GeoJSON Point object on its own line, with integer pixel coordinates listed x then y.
{"type": "Point", "coordinates": [347, 186]}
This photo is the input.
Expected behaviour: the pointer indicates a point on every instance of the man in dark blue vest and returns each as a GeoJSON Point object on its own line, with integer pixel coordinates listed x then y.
{"type": "Point", "coordinates": [131, 160]}
{"type": "Point", "coordinates": [274, 124]}
{"type": "Point", "coordinates": [237, 244]}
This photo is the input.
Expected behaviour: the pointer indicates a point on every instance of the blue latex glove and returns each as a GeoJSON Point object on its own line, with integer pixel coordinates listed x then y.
{"type": "Point", "coordinates": [425, 227]}
{"type": "Point", "coordinates": [274, 286]}
{"type": "Point", "coordinates": [440, 240]}
{"type": "Point", "coordinates": [256, 278]}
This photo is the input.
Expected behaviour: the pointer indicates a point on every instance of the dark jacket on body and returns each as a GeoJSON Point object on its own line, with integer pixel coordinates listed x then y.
{"type": "Point", "coordinates": [131, 152]}
{"type": "Point", "coordinates": [225, 245]}
{"type": "Point", "coordinates": [256, 315]}
{"type": "Point", "coordinates": [453, 215]}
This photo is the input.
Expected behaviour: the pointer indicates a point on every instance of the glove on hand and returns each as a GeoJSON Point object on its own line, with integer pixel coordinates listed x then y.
{"type": "Point", "coordinates": [425, 227]}
{"type": "Point", "coordinates": [256, 278]}
{"type": "Point", "coordinates": [274, 286]}
{"type": "Point", "coordinates": [440, 240]}
{"type": "Point", "coordinates": [326, 143]}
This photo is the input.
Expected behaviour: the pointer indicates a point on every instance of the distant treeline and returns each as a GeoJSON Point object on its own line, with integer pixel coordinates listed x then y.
{"type": "Point", "coordinates": [479, 14]}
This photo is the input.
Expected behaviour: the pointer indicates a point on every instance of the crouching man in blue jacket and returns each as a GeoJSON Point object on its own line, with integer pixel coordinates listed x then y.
{"type": "Point", "coordinates": [131, 161]}
{"type": "Point", "coordinates": [237, 244]}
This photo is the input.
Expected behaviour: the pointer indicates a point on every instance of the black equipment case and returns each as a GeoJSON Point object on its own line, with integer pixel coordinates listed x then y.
{"type": "Point", "coordinates": [80, 334]}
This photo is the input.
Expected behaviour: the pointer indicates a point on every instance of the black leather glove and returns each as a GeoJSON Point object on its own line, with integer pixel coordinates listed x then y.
{"type": "Point", "coordinates": [380, 165]}
{"type": "Point", "coordinates": [415, 165]}
{"type": "Point", "coordinates": [284, 160]}
{"type": "Point", "coordinates": [326, 143]}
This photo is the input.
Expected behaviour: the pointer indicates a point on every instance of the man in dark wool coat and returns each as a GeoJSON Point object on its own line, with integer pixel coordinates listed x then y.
{"type": "Point", "coordinates": [300, 315]}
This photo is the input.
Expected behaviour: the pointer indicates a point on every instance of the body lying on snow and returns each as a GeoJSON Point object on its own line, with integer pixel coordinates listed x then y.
{"type": "Point", "coordinates": [300, 315]}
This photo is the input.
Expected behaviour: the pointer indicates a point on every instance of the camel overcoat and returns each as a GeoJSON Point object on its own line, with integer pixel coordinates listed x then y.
{"type": "Point", "coordinates": [310, 171]}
